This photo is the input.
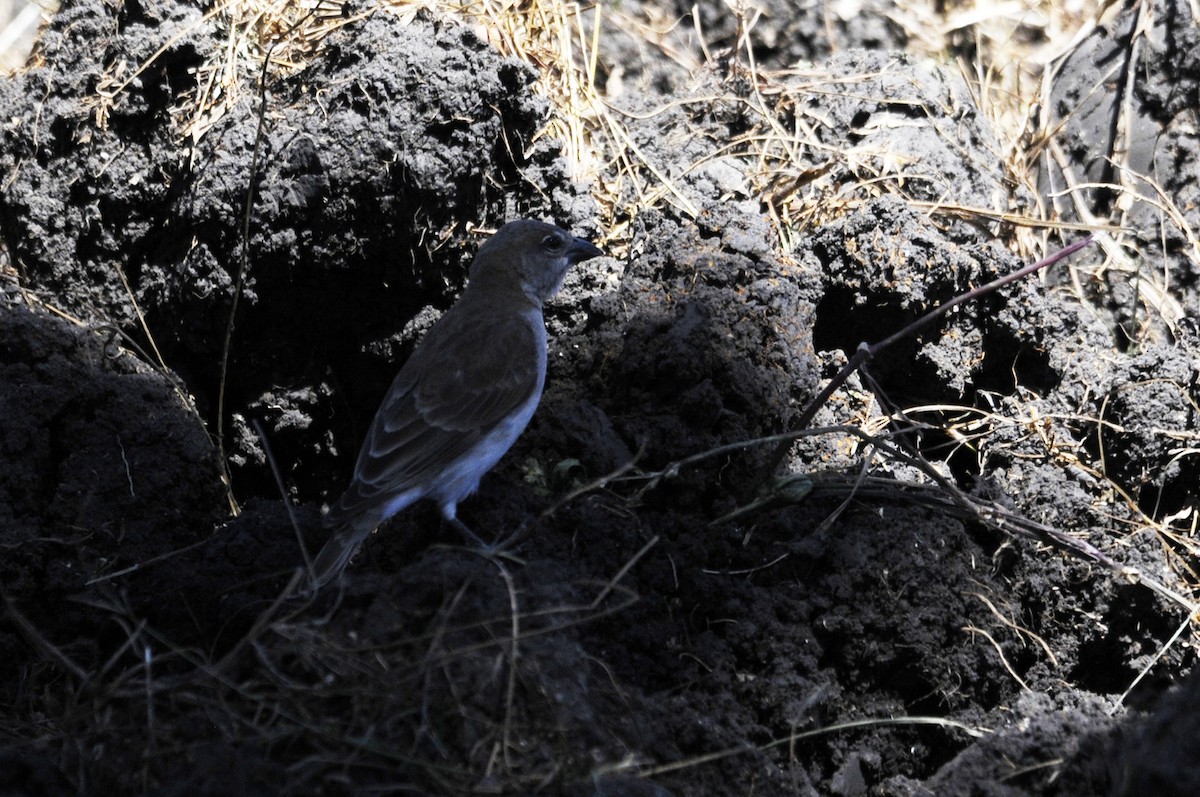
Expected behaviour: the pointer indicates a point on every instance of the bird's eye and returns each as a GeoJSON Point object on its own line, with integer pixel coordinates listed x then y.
{"type": "Point", "coordinates": [552, 243]}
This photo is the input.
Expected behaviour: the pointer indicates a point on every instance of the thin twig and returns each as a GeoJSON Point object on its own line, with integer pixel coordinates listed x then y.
{"type": "Point", "coordinates": [244, 256]}
{"type": "Point", "coordinates": [283, 496]}
{"type": "Point", "coordinates": [867, 351]}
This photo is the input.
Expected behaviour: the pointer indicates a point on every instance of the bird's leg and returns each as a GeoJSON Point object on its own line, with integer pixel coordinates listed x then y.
{"type": "Point", "coordinates": [464, 530]}
{"type": "Point", "coordinates": [488, 549]}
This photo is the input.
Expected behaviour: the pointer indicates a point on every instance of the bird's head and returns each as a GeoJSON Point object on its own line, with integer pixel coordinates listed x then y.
{"type": "Point", "coordinates": [529, 256]}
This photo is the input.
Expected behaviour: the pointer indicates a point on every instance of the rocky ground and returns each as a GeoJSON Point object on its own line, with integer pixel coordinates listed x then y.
{"type": "Point", "coordinates": [971, 573]}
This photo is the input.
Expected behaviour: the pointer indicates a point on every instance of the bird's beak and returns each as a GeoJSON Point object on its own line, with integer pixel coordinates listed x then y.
{"type": "Point", "coordinates": [581, 250]}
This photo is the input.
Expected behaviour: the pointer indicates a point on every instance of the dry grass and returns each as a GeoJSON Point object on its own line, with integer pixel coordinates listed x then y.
{"type": "Point", "coordinates": [800, 180]}
{"type": "Point", "coordinates": [1007, 51]}
{"type": "Point", "coordinates": [453, 700]}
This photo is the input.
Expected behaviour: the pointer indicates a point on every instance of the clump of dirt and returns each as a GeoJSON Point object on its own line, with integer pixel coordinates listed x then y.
{"type": "Point", "coordinates": [107, 468]}
{"type": "Point", "coordinates": [965, 577]}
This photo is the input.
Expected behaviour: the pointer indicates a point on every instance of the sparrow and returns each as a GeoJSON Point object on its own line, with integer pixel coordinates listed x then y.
{"type": "Point", "coordinates": [465, 394]}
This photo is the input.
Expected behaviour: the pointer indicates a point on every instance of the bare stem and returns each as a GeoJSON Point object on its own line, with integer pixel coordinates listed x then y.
{"type": "Point", "coordinates": [866, 351]}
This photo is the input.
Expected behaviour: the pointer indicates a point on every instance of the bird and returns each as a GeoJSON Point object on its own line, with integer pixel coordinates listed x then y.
{"type": "Point", "coordinates": [465, 394]}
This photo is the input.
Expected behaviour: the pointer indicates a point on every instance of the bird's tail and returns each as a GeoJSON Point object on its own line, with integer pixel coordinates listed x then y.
{"type": "Point", "coordinates": [337, 552]}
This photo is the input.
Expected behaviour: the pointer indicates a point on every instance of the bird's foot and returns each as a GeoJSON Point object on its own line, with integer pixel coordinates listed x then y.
{"type": "Point", "coordinates": [492, 550]}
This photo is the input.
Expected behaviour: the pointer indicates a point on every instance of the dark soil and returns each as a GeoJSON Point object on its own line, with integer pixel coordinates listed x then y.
{"type": "Point", "coordinates": [646, 636]}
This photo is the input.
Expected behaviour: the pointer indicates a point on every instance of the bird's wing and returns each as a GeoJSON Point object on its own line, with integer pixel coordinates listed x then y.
{"type": "Point", "coordinates": [453, 390]}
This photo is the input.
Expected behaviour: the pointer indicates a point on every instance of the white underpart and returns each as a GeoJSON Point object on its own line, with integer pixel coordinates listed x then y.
{"type": "Point", "coordinates": [400, 502]}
